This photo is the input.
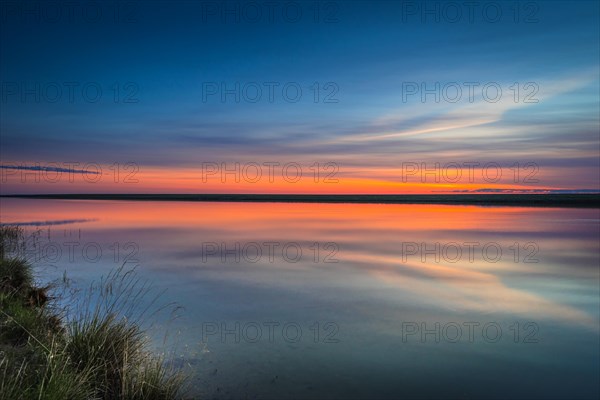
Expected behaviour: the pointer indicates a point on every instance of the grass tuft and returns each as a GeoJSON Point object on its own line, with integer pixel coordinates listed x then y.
{"type": "Point", "coordinates": [15, 274]}
{"type": "Point", "coordinates": [96, 349]}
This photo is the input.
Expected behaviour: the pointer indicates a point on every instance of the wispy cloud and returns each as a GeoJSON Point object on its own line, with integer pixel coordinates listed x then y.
{"type": "Point", "coordinates": [48, 223]}
{"type": "Point", "coordinates": [468, 115]}
{"type": "Point", "coordinates": [47, 169]}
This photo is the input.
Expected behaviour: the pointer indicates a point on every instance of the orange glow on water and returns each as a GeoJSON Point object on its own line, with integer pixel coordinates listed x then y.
{"type": "Point", "coordinates": [370, 242]}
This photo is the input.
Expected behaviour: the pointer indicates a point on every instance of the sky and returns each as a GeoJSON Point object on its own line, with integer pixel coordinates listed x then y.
{"type": "Point", "coordinates": [299, 97]}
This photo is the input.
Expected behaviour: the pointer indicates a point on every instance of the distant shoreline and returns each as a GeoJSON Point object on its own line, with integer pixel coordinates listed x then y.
{"type": "Point", "coordinates": [586, 200]}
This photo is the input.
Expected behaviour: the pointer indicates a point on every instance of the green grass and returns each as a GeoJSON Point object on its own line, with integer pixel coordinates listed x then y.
{"type": "Point", "coordinates": [14, 274]}
{"type": "Point", "coordinates": [11, 237]}
{"type": "Point", "coordinates": [94, 349]}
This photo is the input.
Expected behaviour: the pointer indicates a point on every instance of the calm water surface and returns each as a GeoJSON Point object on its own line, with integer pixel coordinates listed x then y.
{"type": "Point", "coordinates": [352, 301]}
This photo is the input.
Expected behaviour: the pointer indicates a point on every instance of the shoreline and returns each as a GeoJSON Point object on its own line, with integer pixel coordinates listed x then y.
{"type": "Point", "coordinates": [94, 345]}
{"type": "Point", "coordinates": [577, 200]}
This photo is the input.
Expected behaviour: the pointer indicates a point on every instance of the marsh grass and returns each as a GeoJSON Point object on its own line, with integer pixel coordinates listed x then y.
{"type": "Point", "coordinates": [95, 347]}
{"type": "Point", "coordinates": [11, 239]}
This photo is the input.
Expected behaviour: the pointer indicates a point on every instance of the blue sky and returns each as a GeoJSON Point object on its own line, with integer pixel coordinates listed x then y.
{"type": "Point", "coordinates": [165, 55]}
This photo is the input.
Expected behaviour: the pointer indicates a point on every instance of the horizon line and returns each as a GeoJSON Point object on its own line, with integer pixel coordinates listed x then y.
{"type": "Point", "coordinates": [587, 200]}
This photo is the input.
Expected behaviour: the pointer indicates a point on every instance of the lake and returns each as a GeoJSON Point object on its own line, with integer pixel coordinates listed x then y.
{"type": "Point", "coordinates": [287, 300]}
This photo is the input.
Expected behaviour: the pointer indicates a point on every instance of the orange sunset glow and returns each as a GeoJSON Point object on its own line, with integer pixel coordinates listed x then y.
{"type": "Point", "coordinates": [302, 178]}
{"type": "Point", "coordinates": [299, 199]}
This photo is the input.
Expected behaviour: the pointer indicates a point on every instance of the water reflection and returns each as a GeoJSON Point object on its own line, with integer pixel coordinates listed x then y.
{"type": "Point", "coordinates": [395, 283]}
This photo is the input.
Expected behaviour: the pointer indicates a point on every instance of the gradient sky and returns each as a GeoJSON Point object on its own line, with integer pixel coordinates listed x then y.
{"type": "Point", "coordinates": [165, 55]}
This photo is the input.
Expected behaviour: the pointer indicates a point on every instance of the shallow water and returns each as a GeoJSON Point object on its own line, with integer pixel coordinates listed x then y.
{"type": "Point", "coordinates": [351, 300]}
